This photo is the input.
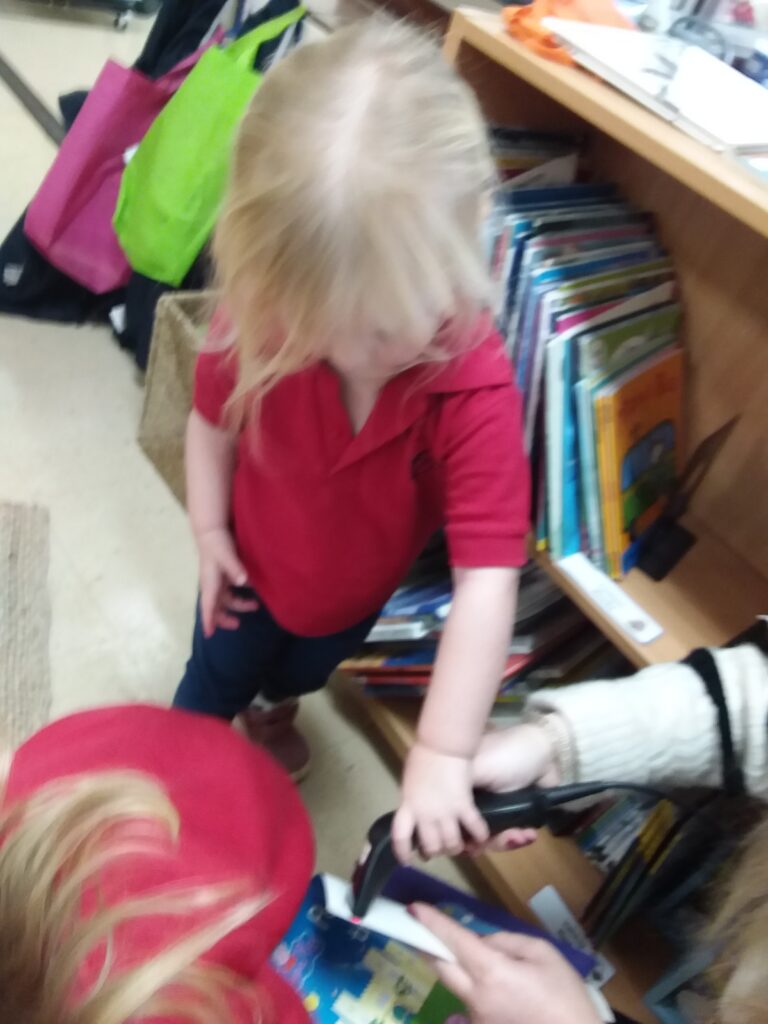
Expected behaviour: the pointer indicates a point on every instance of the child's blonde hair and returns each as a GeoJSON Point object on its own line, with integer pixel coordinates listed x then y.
{"type": "Point", "coordinates": [355, 200]}
{"type": "Point", "coordinates": [740, 934]}
{"type": "Point", "coordinates": [53, 848]}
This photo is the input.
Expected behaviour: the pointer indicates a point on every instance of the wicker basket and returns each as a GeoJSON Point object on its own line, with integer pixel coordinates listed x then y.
{"type": "Point", "coordinates": [181, 323]}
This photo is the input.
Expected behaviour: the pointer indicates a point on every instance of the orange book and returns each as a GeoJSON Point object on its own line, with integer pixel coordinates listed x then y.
{"type": "Point", "coordinates": [606, 464]}
{"type": "Point", "coordinates": [639, 418]}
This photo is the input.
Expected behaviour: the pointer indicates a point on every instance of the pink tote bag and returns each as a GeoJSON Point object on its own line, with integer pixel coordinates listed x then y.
{"type": "Point", "coordinates": [70, 218]}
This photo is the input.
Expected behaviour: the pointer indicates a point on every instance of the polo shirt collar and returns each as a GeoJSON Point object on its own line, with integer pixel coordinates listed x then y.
{"type": "Point", "coordinates": [404, 399]}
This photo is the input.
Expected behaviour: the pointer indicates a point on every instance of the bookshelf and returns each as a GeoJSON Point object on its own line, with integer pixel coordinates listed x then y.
{"type": "Point", "coordinates": [709, 598]}
{"type": "Point", "coordinates": [712, 216]}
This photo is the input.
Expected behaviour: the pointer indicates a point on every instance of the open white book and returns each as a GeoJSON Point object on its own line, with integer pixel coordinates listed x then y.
{"type": "Point", "coordinates": [684, 84]}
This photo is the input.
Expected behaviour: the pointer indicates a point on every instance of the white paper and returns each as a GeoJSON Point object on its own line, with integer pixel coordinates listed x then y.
{"type": "Point", "coordinates": [560, 170]}
{"type": "Point", "coordinates": [611, 599]}
{"type": "Point", "coordinates": [549, 906]}
{"type": "Point", "coordinates": [385, 917]}
{"type": "Point", "coordinates": [601, 1004]}
{"type": "Point", "coordinates": [682, 83]}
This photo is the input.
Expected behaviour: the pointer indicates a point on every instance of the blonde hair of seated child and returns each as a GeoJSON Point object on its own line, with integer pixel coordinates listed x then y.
{"type": "Point", "coordinates": [739, 933]}
{"type": "Point", "coordinates": [355, 203]}
{"type": "Point", "coordinates": [53, 847]}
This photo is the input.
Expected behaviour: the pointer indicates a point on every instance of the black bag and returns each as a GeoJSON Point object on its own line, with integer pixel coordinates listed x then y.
{"type": "Point", "coordinates": [31, 287]}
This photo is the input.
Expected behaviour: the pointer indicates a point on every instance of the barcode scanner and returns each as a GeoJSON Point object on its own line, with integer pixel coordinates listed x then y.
{"type": "Point", "coordinates": [531, 807]}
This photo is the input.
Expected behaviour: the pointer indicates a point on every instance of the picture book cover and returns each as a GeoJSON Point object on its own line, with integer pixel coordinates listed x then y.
{"type": "Point", "coordinates": [559, 376]}
{"type": "Point", "coordinates": [545, 251]}
{"type": "Point", "coordinates": [418, 675]}
{"type": "Point", "coordinates": [523, 226]}
{"type": "Point", "coordinates": [523, 330]}
{"type": "Point", "coordinates": [347, 974]}
{"type": "Point", "coordinates": [568, 326]}
{"type": "Point", "coordinates": [585, 297]}
{"type": "Point", "coordinates": [590, 483]}
{"type": "Point", "coordinates": [642, 412]}
{"type": "Point", "coordinates": [423, 599]}
{"type": "Point", "coordinates": [614, 346]}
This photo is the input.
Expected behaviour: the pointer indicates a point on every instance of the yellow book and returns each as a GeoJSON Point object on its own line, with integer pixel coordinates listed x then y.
{"type": "Point", "coordinates": [641, 414]}
{"type": "Point", "coordinates": [608, 484]}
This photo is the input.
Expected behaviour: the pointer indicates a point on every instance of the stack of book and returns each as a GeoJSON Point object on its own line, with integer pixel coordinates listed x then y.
{"type": "Point", "coordinates": [588, 303]}
{"type": "Point", "coordinates": [552, 640]}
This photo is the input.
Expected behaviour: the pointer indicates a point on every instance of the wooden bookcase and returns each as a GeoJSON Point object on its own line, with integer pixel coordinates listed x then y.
{"type": "Point", "coordinates": [713, 218]}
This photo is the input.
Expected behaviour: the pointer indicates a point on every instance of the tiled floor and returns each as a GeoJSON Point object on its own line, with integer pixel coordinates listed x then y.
{"type": "Point", "coordinates": [122, 576]}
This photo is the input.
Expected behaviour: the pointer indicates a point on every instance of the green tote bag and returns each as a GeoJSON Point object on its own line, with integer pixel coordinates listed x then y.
{"type": "Point", "coordinates": [172, 187]}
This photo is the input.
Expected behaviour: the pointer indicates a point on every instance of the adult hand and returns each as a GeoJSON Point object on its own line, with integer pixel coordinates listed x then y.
{"type": "Point", "coordinates": [220, 572]}
{"type": "Point", "coordinates": [508, 979]}
{"type": "Point", "coordinates": [436, 804]}
{"type": "Point", "coordinates": [507, 759]}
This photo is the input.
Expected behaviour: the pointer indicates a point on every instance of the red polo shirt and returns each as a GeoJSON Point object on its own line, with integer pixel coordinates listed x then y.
{"type": "Point", "coordinates": [328, 522]}
{"type": "Point", "coordinates": [240, 820]}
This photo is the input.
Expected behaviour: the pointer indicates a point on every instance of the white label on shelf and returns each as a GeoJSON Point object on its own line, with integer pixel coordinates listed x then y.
{"type": "Point", "coordinates": [549, 906]}
{"type": "Point", "coordinates": [611, 599]}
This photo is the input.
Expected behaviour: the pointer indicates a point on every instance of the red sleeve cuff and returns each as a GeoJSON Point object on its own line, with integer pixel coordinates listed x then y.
{"type": "Point", "coordinates": [483, 552]}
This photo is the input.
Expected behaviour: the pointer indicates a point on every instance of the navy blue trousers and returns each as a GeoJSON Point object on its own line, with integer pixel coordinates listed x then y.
{"type": "Point", "coordinates": [259, 658]}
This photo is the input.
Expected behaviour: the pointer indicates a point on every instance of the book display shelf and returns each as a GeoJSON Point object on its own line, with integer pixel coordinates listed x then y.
{"type": "Point", "coordinates": [712, 216]}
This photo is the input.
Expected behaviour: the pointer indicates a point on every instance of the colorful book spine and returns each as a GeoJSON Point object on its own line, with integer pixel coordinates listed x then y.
{"type": "Point", "coordinates": [606, 459]}
{"type": "Point", "coordinates": [645, 424]}
{"type": "Point", "coordinates": [590, 482]}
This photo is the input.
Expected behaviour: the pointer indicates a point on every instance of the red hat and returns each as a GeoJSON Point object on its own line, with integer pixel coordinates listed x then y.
{"type": "Point", "coordinates": [241, 818]}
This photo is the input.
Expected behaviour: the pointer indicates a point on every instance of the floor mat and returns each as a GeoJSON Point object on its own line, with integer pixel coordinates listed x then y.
{"type": "Point", "coordinates": [25, 618]}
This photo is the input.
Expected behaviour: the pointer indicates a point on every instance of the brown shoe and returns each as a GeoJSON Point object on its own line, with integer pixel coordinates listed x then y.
{"type": "Point", "coordinates": [274, 730]}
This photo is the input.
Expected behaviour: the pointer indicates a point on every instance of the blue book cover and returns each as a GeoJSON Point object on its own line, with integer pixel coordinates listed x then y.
{"type": "Point", "coordinates": [423, 599]}
{"type": "Point", "coordinates": [523, 227]}
{"type": "Point", "coordinates": [347, 974]}
{"type": "Point", "coordinates": [557, 195]}
{"type": "Point", "coordinates": [639, 308]}
{"type": "Point", "coordinates": [594, 261]}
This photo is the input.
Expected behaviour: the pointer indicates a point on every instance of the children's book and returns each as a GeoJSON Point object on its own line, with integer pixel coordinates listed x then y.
{"type": "Point", "coordinates": [347, 974]}
{"type": "Point", "coordinates": [544, 278]}
{"type": "Point", "coordinates": [403, 675]}
{"type": "Point", "coordinates": [604, 351]}
{"type": "Point", "coordinates": [421, 600]}
{"type": "Point", "coordinates": [563, 248]}
{"type": "Point", "coordinates": [588, 470]}
{"type": "Point", "coordinates": [615, 346]}
{"type": "Point", "coordinates": [401, 629]}
{"type": "Point", "coordinates": [563, 482]}
{"type": "Point", "coordinates": [521, 226]}
{"type": "Point", "coordinates": [568, 325]}
{"type": "Point", "coordinates": [639, 417]}
{"type": "Point", "coordinates": [579, 296]}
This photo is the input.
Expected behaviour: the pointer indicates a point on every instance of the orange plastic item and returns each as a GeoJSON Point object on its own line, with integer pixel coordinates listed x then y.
{"type": "Point", "coordinates": [525, 23]}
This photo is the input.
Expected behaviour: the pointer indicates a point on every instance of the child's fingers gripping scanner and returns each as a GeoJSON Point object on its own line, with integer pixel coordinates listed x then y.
{"type": "Point", "coordinates": [522, 808]}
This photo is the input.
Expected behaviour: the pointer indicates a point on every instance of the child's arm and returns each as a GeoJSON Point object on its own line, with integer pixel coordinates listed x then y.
{"type": "Point", "coordinates": [437, 784]}
{"type": "Point", "coordinates": [210, 463]}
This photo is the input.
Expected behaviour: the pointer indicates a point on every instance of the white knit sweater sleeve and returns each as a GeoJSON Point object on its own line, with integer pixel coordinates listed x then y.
{"type": "Point", "coordinates": [660, 725]}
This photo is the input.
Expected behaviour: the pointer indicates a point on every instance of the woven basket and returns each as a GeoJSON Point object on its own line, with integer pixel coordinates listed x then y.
{"type": "Point", "coordinates": [181, 324]}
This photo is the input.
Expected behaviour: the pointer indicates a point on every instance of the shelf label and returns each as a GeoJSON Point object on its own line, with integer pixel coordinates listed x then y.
{"type": "Point", "coordinates": [611, 599]}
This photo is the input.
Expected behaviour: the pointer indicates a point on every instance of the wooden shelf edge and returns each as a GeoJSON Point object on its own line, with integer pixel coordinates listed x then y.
{"type": "Point", "coordinates": [515, 877]}
{"type": "Point", "coordinates": [710, 597]}
{"type": "Point", "coordinates": [716, 177]}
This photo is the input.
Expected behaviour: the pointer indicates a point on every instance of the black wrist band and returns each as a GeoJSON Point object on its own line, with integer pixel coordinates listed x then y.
{"type": "Point", "coordinates": [705, 666]}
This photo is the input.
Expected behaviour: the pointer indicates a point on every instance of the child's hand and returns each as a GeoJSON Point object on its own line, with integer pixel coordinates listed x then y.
{"type": "Point", "coordinates": [436, 803]}
{"type": "Point", "coordinates": [220, 571]}
{"type": "Point", "coordinates": [508, 979]}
